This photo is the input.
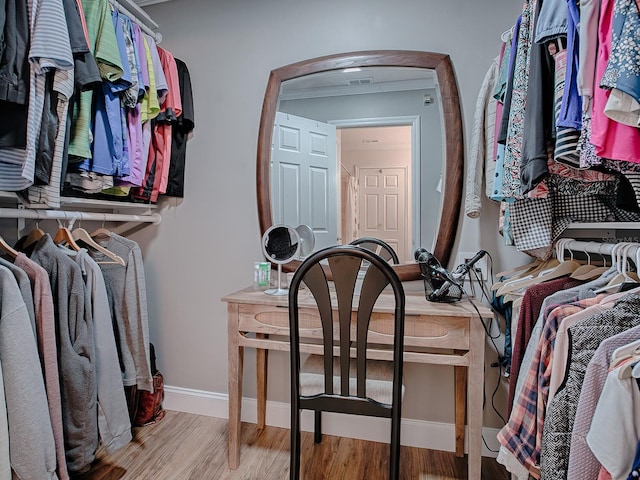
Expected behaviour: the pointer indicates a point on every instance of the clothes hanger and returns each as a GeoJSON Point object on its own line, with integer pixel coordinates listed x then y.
{"type": "Point", "coordinates": [34, 235]}
{"type": "Point", "coordinates": [582, 269]}
{"type": "Point", "coordinates": [517, 297]}
{"type": "Point", "coordinates": [507, 34]}
{"type": "Point", "coordinates": [630, 369]}
{"type": "Point", "coordinates": [531, 270]}
{"type": "Point", "coordinates": [80, 234]}
{"type": "Point", "coordinates": [595, 271]}
{"type": "Point", "coordinates": [564, 268]}
{"type": "Point", "coordinates": [620, 252]}
{"type": "Point", "coordinates": [8, 248]}
{"type": "Point", "coordinates": [625, 352]}
{"type": "Point", "coordinates": [64, 237]}
{"type": "Point", "coordinates": [102, 231]}
{"type": "Point", "coordinates": [519, 269]}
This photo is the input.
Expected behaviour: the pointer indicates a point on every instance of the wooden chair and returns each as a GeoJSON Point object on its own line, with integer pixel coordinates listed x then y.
{"type": "Point", "coordinates": [342, 379]}
{"type": "Point", "coordinates": [378, 246]}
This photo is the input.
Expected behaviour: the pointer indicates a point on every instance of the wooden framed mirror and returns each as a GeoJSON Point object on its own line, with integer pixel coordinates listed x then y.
{"type": "Point", "coordinates": [450, 173]}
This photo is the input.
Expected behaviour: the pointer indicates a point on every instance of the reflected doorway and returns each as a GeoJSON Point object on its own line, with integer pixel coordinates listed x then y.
{"type": "Point", "coordinates": [376, 184]}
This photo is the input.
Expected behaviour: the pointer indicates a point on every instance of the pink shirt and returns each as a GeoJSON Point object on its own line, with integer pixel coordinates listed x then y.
{"type": "Point", "coordinates": [172, 102]}
{"type": "Point", "coordinates": [612, 139]}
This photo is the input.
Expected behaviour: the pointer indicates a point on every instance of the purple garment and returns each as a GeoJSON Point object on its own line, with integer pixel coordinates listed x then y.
{"type": "Point", "coordinates": [137, 165]}
{"type": "Point", "coordinates": [571, 106]}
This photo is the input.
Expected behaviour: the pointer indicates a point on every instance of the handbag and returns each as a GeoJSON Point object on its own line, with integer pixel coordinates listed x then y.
{"type": "Point", "coordinates": [145, 407]}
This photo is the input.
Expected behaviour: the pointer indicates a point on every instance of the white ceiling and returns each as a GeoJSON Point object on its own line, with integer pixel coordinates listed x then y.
{"type": "Point", "coordinates": [367, 80]}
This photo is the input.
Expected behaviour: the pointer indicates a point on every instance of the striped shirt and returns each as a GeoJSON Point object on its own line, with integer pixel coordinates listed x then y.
{"type": "Point", "coordinates": [49, 49]}
{"type": "Point", "coordinates": [49, 195]}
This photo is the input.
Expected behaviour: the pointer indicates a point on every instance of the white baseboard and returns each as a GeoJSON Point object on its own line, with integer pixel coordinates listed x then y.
{"type": "Point", "coordinates": [415, 433]}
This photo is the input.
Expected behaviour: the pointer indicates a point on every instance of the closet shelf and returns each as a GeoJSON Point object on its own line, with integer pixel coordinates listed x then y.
{"type": "Point", "coordinates": [129, 215]}
{"type": "Point", "coordinates": [11, 199]}
{"type": "Point", "coordinates": [604, 226]}
{"type": "Point", "coordinates": [36, 214]}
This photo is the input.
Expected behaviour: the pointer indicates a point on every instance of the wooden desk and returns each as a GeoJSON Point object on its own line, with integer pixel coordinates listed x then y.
{"type": "Point", "coordinates": [452, 334]}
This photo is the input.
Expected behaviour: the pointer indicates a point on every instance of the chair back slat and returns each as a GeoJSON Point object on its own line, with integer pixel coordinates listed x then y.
{"type": "Point", "coordinates": [344, 270]}
{"type": "Point", "coordinates": [317, 283]}
{"type": "Point", "coordinates": [372, 286]}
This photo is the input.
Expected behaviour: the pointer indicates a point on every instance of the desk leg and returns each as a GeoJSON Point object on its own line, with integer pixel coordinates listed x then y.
{"type": "Point", "coordinates": [460, 375]}
{"type": "Point", "coordinates": [236, 361]}
{"type": "Point", "coordinates": [475, 391]}
{"type": "Point", "coordinates": [261, 367]}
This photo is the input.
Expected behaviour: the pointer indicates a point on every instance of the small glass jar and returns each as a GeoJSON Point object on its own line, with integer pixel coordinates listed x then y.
{"type": "Point", "coordinates": [261, 275]}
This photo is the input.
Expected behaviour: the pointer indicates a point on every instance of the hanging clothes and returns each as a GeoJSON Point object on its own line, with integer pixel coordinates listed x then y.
{"type": "Point", "coordinates": [126, 291]}
{"type": "Point", "coordinates": [611, 139]}
{"type": "Point", "coordinates": [519, 451]}
{"type": "Point", "coordinates": [31, 443]}
{"type": "Point", "coordinates": [586, 336]}
{"type": "Point", "coordinates": [582, 462]}
{"type": "Point", "coordinates": [47, 350]}
{"type": "Point", "coordinates": [76, 353]}
{"type": "Point", "coordinates": [481, 160]}
{"type": "Point", "coordinates": [114, 425]}
{"type": "Point", "coordinates": [49, 48]}
{"type": "Point", "coordinates": [181, 132]}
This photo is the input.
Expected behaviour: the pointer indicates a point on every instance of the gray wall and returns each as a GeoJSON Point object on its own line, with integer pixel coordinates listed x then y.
{"type": "Point", "coordinates": [206, 244]}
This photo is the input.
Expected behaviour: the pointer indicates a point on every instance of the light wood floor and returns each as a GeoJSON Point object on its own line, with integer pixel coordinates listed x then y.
{"type": "Point", "coordinates": [183, 446]}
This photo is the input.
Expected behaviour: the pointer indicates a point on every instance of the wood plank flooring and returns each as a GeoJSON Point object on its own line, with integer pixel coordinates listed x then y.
{"type": "Point", "coordinates": [184, 446]}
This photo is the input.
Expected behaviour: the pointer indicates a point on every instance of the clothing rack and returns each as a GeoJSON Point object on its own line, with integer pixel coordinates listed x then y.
{"type": "Point", "coordinates": [72, 216]}
{"type": "Point", "coordinates": [139, 16]}
{"type": "Point", "coordinates": [603, 248]}
{"type": "Point", "coordinates": [590, 247]}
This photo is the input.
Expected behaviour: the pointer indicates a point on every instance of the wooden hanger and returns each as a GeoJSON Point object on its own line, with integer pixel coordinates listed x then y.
{"type": "Point", "coordinates": [8, 248]}
{"type": "Point", "coordinates": [102, 231]}
{"type": "Point", "coordinates": [519, 269]}
{"type": "Point", "coordinates": [588, 271]}
{"type": "Point", "coordinates": [534, 269]}
{"type": "Point", "coordinates": [562, 269]}
{"type": "Point", "coordinates": [80, 234]}
{"type": "Point", "coordinates": [64, 237]}
{"type": "Point", "coordinates": [529, 270]}
{"type": "Point", "coordinates": [34, 235]}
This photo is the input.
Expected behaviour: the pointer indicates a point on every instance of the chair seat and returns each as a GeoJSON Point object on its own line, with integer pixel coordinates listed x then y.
{"type": "Point", "coordinates": [379, 378]}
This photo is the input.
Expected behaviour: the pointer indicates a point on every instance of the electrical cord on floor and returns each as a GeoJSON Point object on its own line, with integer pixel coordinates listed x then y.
{"type": "Point", "coordinates": [487, 329]}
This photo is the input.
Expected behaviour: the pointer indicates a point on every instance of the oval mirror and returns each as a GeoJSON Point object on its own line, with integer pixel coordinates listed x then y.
{"type": "Point", "coordinates": [426, 202]}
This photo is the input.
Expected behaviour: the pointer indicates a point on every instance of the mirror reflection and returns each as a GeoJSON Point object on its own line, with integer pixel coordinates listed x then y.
{"type": "Point", "coordinates": [358, 152]}
{"type": "Point", "coordinates": [318, 194]}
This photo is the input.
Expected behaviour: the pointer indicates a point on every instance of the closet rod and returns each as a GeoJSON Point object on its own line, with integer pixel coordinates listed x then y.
{"type": "Point", "coordinates": [146, 24]}
{"type": "Point", "coordinates": [595, 247]}
{"type": "Point", "coordinates": [35, 214]}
